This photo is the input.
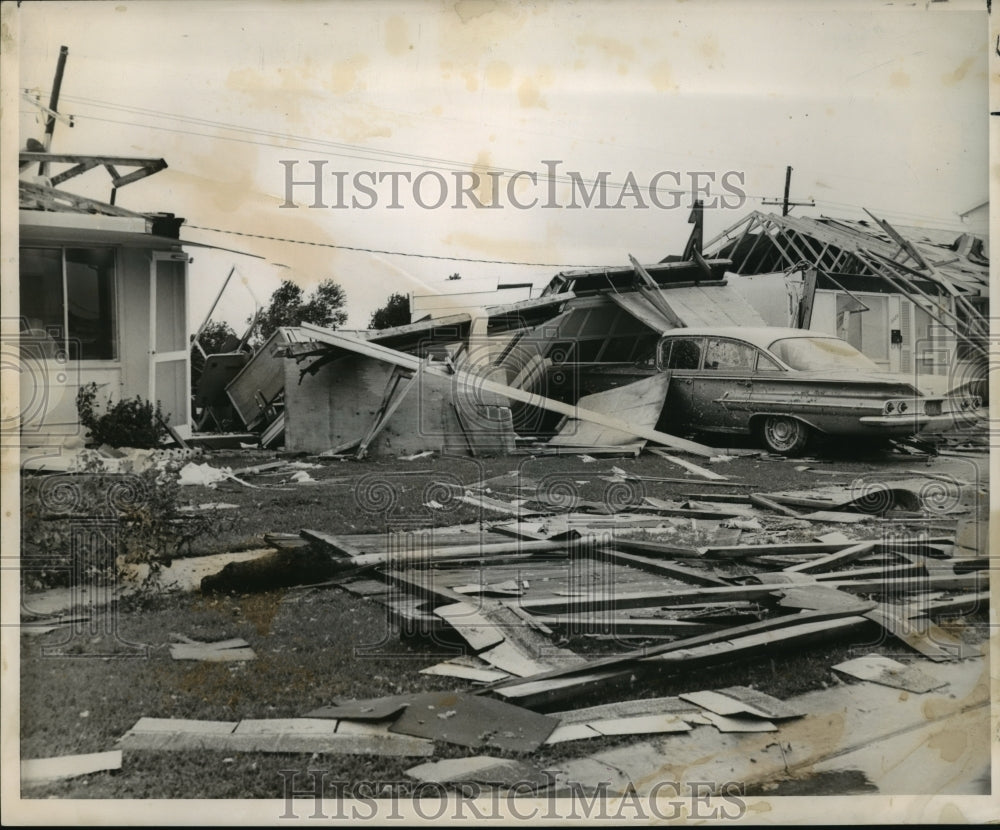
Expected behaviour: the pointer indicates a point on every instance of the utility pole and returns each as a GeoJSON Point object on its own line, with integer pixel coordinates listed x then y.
{"type": "Point", "coordinates": [50, 124]}
{"type": "Point", "coordinates": [786, 205]}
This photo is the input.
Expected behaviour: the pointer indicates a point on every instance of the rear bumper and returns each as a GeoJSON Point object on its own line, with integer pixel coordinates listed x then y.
{"type": "Point", "coordinates": [921, 423]}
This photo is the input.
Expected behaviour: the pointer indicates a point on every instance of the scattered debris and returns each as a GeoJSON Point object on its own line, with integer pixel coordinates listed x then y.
{"type": "Point", "coordinates": [473, 721]}
{"type": "Point", "coordinates": [889, 672]}
{"type": "Point", "coordinates": [742, 700]}
{"type": "Point", "coordinates": [482, 769]}
{"type": "Point", "coordinates": [220, 652]}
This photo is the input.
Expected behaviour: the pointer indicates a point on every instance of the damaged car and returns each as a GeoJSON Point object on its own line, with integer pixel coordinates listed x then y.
{"type": "Point", "coordinates": [789, 385]}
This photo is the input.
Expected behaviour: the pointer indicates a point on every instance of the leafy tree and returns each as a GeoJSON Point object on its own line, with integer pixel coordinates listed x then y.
{"type": "Point", "coordinates": [290, 306]}
{"type": "Point", "coordinates": [395, 312]}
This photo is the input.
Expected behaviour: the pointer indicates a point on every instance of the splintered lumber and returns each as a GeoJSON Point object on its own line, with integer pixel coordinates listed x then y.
{"type": "Point", "coordinates": [483, 384]}
{"type": "Point", "coordinates": [675, 658]}
{"type": "Point", "coordinates": [276, 735]}
{"type": "Point", "coordinates": [762, 501]}
{"type": "Point", "coordinates": [661, 548]}
{"type": "Point", "coordinates": [882, 545]}
{"type": "Point", "coordinates": [888, 672]}
{"type": "Point", "coordinates": [331, 544]}
{"type": "Point", "coordinates": [922, 636]}
{"type": "Point", "coordinates": [600, 666]}
{"type": "Point", "coordinates": [842, 557]}
{"type": "Point", "coordinates": [731, 723]}
{"type": "Point", "coordinates": [632, 725]}
{"type": "Point", "coordinates": [571, 624]}
{"type": "Point", "coordinates": [742, 700]}
{"type": "Point", "coordinates": [626, 708]}
{"type": "Point", "coordinates": [963, 604]}
{"type": "Point", "coordinates": [665, 568]}
{"type": "Point", "coordinates": [220, 652]}
{"type": "Point", "coordinates": [615, 600]}
{"type": "Point", "coordinates": [428, 555]}
{"type": "Point", "coordinates": [42, 770]}
{"type": "Point", "coordinates": [463, 672]}
{"type": "Point", "coordinates": [687, 465]}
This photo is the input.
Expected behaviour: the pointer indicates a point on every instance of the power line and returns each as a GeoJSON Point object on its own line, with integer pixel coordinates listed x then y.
{"type": "Point", "coordinates": [388, 253]}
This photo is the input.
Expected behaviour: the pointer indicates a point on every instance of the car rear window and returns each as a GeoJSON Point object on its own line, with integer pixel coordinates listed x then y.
{"type": "Point", "coordinates": [809, 353]}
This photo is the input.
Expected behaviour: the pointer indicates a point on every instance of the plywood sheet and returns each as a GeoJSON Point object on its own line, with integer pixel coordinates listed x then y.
{"type": "Point", "coordinates": [639, 403]}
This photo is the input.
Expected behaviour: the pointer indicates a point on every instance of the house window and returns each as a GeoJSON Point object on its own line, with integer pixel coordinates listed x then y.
{"type": "Point", "coordinates": [68, 301]}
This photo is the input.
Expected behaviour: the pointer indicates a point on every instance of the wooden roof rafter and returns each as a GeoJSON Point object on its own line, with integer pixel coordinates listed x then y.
{"type": "Point", "coordinates": [140, 167]}
{"type": "Point", "coordinates": [37, 196]}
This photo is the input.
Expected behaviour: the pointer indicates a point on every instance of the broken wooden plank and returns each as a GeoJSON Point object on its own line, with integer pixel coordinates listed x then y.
{"type": "Point", "coordinates": [742, 700]}
{"type": "Point", "coordinates": [662, 567]}
{"type": "Point", "coordinates": [44, 770]}
{"type": "Point", "coordinates": [736, 723]}
{"type": "Point", "coordinates": [626, 708]}
{"type": "Point", "coordinates": [331, 544]}
{"type": "Point", "coordinates": [596, 667]}
{"type": "Point", "coordinates": [430, 554]}
{"type": "Point", "coordinates": [687, 465]}
{"type": "Point", "coordinates": [572, 624]}
{"type": "Point", "coordinates": [226, 651]}
{"type": "Point", "coordinates": [642, 546]}
{"type": "Point", "coordinates": [922, 636]}
{"type": "Point", "coordinates": [842, 557]}
{"type": "Point", "coordinates": [676, 658]}
{"type": "Point", "coordinates": [177, 734]}
{"type": "Point", "coordinates": [768, 504]}
{"type": "Point", "coordinates": [479, 675]}
{"type": "Point", "coordinates": [885, 671]}
{"type": "Point", "coordinates": [483, 384]}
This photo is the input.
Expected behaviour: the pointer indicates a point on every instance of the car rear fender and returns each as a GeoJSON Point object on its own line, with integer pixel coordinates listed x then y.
{"type": "Point", "coordinates": [756, 421]}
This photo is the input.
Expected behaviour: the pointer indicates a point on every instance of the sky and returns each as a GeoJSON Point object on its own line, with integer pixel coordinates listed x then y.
{"type": "Point", "coordinates": [872, 106]}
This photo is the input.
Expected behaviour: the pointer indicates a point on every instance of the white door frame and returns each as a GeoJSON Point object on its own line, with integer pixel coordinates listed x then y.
{"type": "Point", "coordinates": [157, 358]}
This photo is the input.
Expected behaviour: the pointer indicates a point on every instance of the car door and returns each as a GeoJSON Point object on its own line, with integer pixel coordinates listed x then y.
{"type": "Point", "coordinates": [681, 357]}
{"type": "Point", "coordinates": [720, 390]}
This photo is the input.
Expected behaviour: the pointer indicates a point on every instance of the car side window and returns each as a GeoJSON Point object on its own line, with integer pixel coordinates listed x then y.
{"type": "Point", "coordinates": [765, 364]}
{"type": "Point", "coordinates": [728, 355]}
{"type": "Point", "coordinates": [685, 354]}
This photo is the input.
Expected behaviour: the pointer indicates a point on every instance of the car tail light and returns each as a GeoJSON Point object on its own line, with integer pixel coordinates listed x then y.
{"type": "Point", "coordinates": [902, 407]}
{"type": "Point", "coordinates": [889, 408]}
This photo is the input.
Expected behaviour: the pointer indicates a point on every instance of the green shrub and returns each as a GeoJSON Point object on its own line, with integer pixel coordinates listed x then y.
{"type": "Point", "coordinates": [126, 423]}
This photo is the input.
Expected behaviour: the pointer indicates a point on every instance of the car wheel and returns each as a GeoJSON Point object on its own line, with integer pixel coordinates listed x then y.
{"type": "Point", "coordinates": [785, 436]}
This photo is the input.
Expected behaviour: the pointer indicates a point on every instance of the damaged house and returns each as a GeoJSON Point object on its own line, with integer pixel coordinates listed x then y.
{"type": "Point", "coordinates": [468, 385]}
{"type": "Point", "coordinates": [914, 300]}
{"type": "Point", "coordinates": [103, 295]}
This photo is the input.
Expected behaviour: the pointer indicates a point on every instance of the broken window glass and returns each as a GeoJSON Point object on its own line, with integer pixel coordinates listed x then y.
{"type": "Point", "coordinates": [728, 355]}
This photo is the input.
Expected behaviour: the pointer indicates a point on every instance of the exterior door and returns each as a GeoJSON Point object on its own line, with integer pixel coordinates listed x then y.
{"type": "Point", "coordinates": [169, 357]}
